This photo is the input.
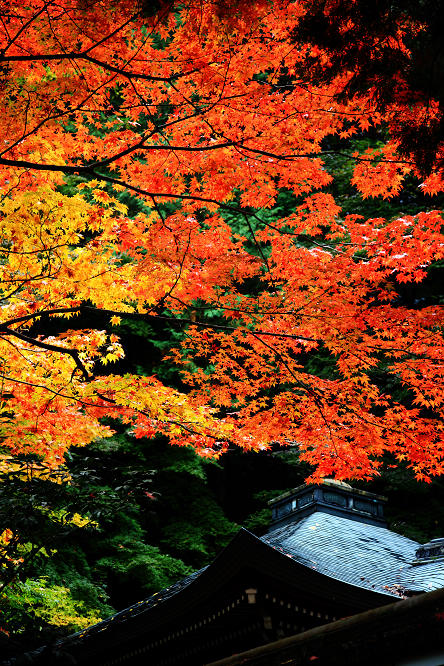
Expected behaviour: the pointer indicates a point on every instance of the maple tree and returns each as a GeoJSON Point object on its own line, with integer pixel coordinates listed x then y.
{"type": "Point", "coordinates": [206, 111]}
{"type": "Point", "coordinates": [363, 38]}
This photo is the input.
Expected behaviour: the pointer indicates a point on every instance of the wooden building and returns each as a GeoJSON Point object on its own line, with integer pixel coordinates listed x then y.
{"type": "Point", "coordinates": [327, 572]}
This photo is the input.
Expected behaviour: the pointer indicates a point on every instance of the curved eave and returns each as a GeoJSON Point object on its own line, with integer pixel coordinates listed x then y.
{"type": "Point", "coordinates": [244, 552]}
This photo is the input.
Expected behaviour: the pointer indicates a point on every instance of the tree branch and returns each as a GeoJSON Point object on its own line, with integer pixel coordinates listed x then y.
{"type": "Point", "coordinates": [49, 347]}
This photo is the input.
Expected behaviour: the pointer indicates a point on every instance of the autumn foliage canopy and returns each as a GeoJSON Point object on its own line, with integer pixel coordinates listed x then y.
{"type": "Point", "coordinates": [205, 110]}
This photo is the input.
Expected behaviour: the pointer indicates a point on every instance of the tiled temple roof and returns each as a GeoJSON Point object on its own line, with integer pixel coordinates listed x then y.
{"type": "Point", "coordinates": [364, 555]}
{"type": "Point", "coordinates": [342, 541]}
{"type": "Point", "coordinates": [361, 554]}
{"type": "Point", "coordinates": [328, 546]}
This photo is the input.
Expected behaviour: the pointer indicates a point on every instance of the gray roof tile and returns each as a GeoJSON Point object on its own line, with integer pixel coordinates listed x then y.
{"type": "Point", "coordinates": [365, 555]}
